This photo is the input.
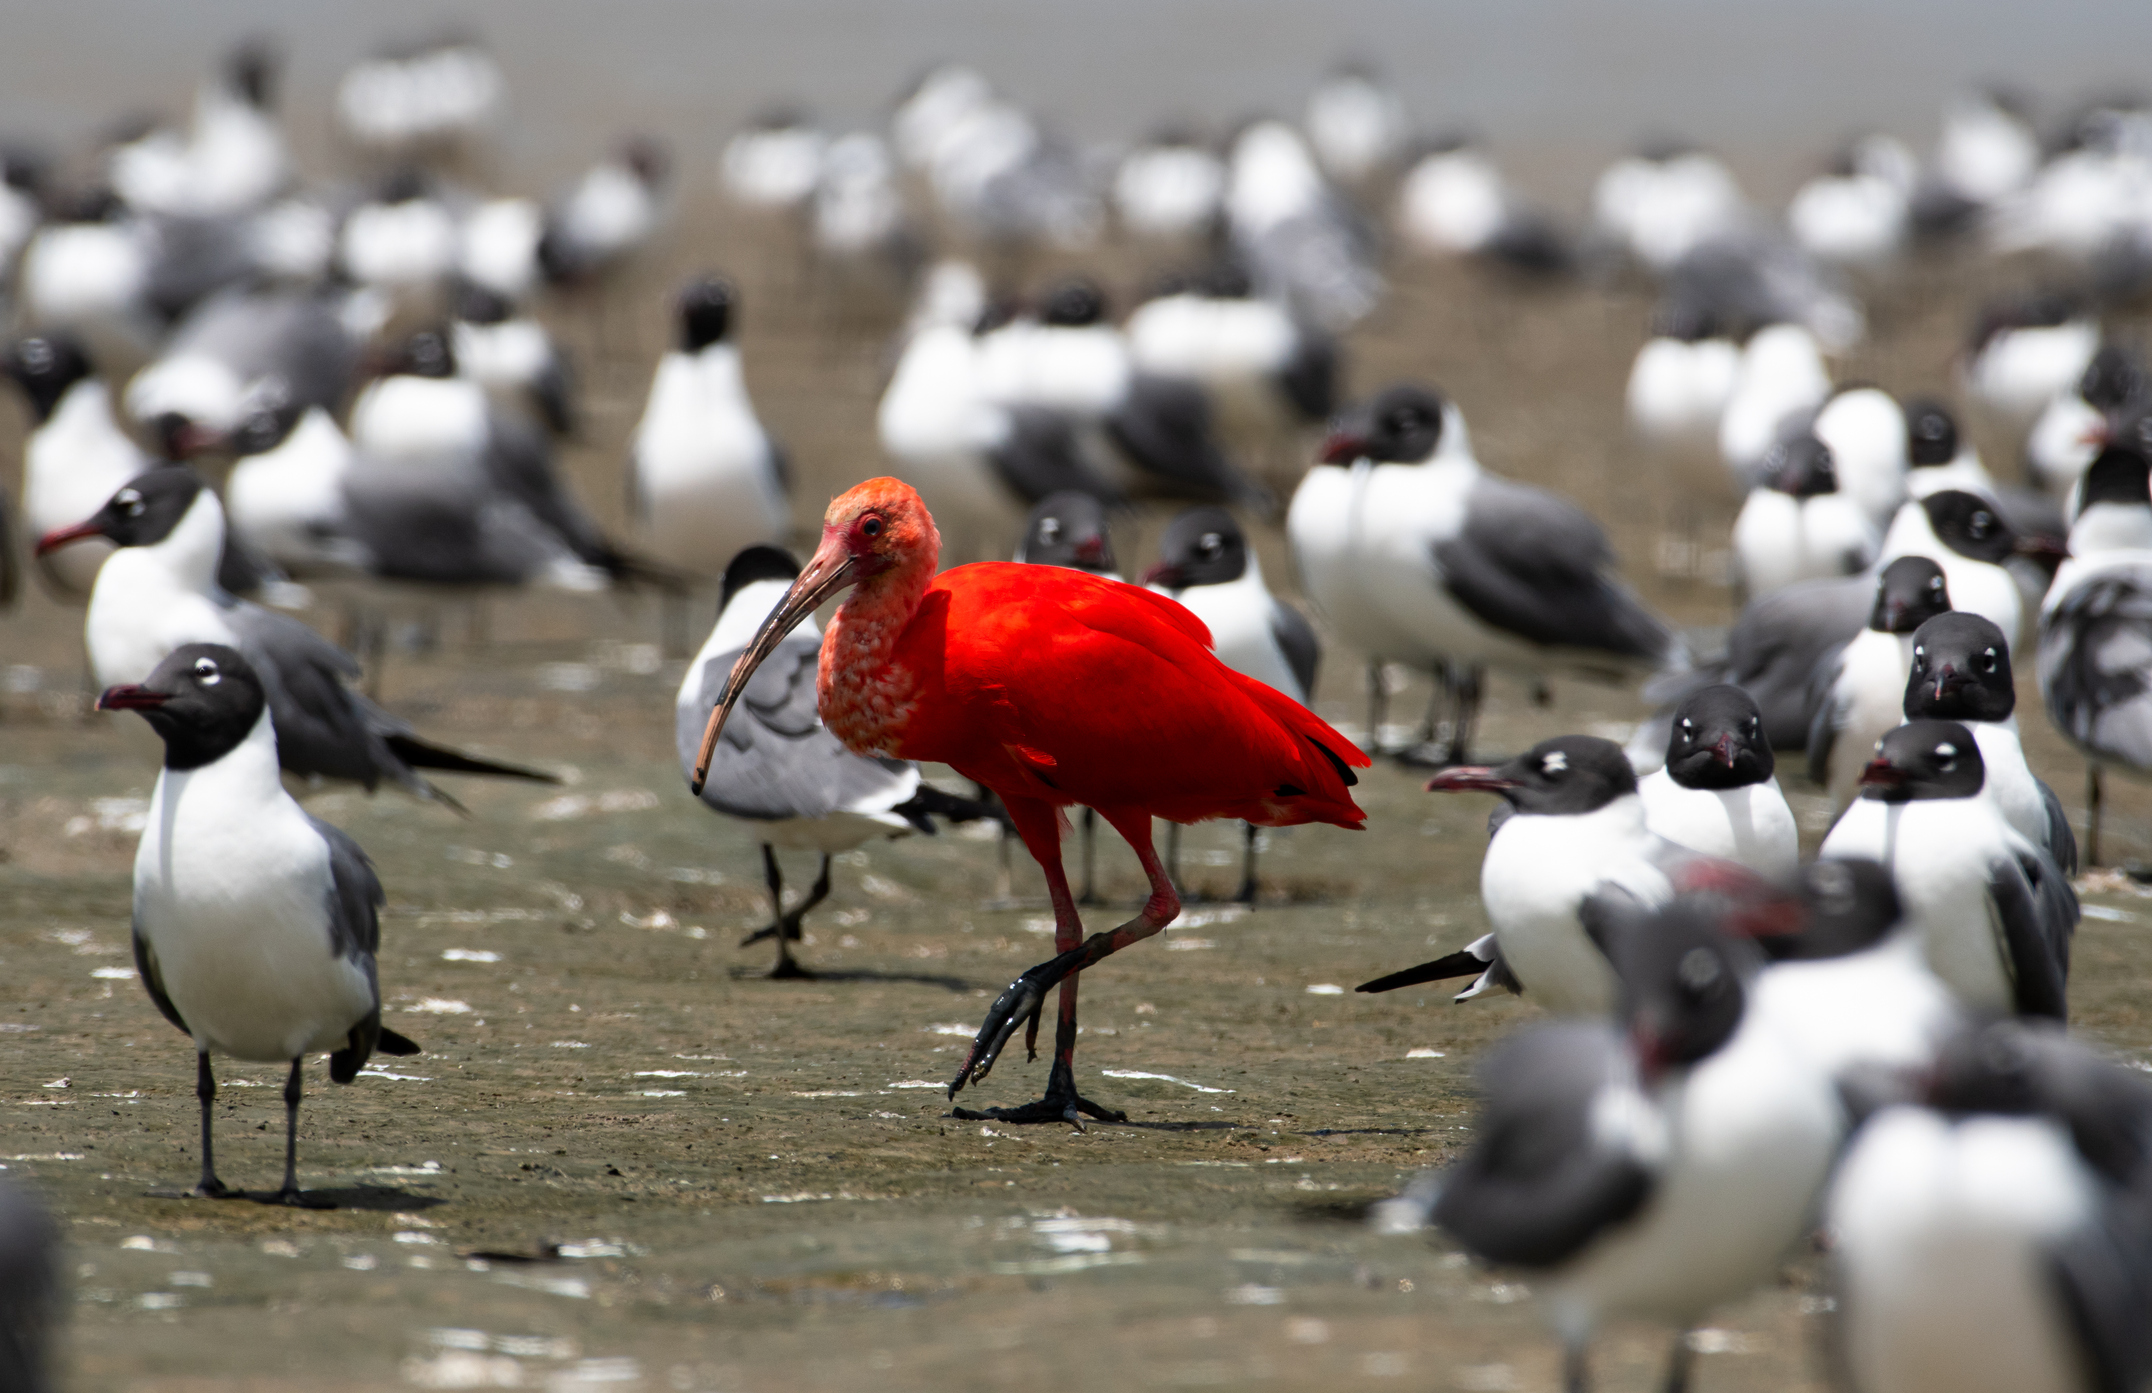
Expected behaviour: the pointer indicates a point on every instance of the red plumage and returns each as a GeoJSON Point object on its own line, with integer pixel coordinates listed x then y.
{"type": "Point", "coordinates": [1074, 689]}
{"type": "Point", "coordinates": [1053, 688]}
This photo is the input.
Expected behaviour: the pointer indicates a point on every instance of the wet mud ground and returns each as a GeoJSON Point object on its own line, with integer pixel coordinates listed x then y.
{"type": "Point", "coordinates": [625, 1161]}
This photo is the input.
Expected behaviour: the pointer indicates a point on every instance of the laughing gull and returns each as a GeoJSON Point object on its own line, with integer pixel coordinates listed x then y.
{"type": "Point", "coordinates": [1070, 361]}
{"type": "Point", "coordinates": [1866, 432]}
{"type": "Point", "coordinates": [1267, 371]}
{"type": "Point", "coordinates": [1170, 186]}
{"type": "Point", "coordinates": [285, 496]}
{"type": "Point", "coordinates": [1573, 826]}
{"type": "Point", "coordinates": [980, 464]}
{"type": "Point", "coordinates": [255, 925]}
{"type": "Point", "coordinates": [1206, 564]}
{"type": "Point", "coordinates": [1453, 201]}
{"type": "Point", "coordinates": [1859, 689]}
{"type": "Point", "coordinates": [1665, 201]}
{"type": "Point", "coordinates": [777, 769]}
{"type": "Point", "coordinates": [237, 344]}
{"type": "Point", "coordinates": [402, 240]}
{"type": "Point", "coordinates": [2025, 351]}
{"type": "Point", "coordinates": [1781, 378]}
{"type": "Point", "coordinates": [233, 158]}
{"type": "Point", "coordinates": [705, 477]}
{"type": "Point", "coordinates": [1417, 555]}
{"type": "Point", "coordinates": [430, 98]}
{"type": "Point", "coordinates": [76, 455]}
{"type": "Point", "coordinates": [1654, 1167]}
{"type": "Point", "coordinates": [1859, 212]}
{"type": "Point", "coordinates": [1993, 1233]}
{"type": "Point", "coordinates": [159, 591]}
{"type": "Point", "coordinates": [1848, 983]}
{"type": "Point", "coordinates": [1355, 122]}
{"type": "Point", "coordinates": [1973, 542]}
{"type": "Point", "coordinates": [1941, 460]}
{"type": "Point", "coordinates": [2074, 424]}
{"type": "Point", "coordinates": [422, 415]}
{"type": "Point", "coordinates": [1716, 793]}
{"type": "Point", "coordinates": [497, 246]}
{"type": "Point", "coordinates": [774, 162]}
{"type": "Point", "coordinates": [1994, 912]}
{"type": "Point", "coordinates": [1781, 639]}
{"type": "Point", "coordinates": [858, 220]}
{"type": "Point", "coordinates": [607, 215]}
{"type": "Point", "coordinates": [1681, 380]}
{"type": "Point", "coordinates": [1961, 672]}
{"type": "Point", "coordinates": [512, 356]}
{"type": "Point", "coordinates": [2093, 663]}
{"type": "Point", "coordinates": [1987, 149]}
{"type": "Point", "coordinates": [1800, 522]}
{"type": "Point", "coordinates": [1069, 529]}
{"type": "Point", "coordinates": [1299, 239]}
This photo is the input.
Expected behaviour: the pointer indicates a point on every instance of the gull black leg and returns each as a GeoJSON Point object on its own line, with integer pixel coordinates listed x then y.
{"type": "Point", "coordinates": [1469, 687]}
{"type": "Point", "coordinates": [2092, 814]}
{"type": "Point", "coordinates": [1678, 1363]}
{"type": "Point", "coordinates": [1247, 864]}
{"type": "Point", "coordinates": [784, 927]}
{"type": "Point", "coordinates": [1378, 699]}
{"type": "Point", "coordinates": [205, 1089]}
{"type": "Point", "coordinates": [294, 1089]}
{"type": "Point", "coordinates": [1576, 1369]}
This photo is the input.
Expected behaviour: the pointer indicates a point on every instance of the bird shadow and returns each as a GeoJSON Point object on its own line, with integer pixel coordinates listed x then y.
{"type": "Point", "coordinates": [958, 985]}
{"type": "Point", "coordinates": [1367, 1132]}
{"type": "Point", "coordinates": [375, 1198]}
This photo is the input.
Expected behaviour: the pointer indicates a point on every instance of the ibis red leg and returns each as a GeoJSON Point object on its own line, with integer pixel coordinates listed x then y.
{"type": "Point", "coordinates": [1025, 998]}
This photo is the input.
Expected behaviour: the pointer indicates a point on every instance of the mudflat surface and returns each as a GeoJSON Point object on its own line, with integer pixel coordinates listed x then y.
{"type": "Point", "coordinates": [625, 1160]}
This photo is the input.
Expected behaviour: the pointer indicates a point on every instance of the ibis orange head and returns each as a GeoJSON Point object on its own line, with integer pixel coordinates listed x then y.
{"type": "Point", "coordinates": [876, 527]}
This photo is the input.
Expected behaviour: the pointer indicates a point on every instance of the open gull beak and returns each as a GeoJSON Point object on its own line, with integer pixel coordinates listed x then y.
{"type": "Point", "coordinates": [1343, 447]}
{"type": "Point", "coordinates": [1164, 573]}
{"type": "Point", "coordinates": [132, 697]}
{"type": "Point", "coordinates": [1470, 778]}
{"type": "Point", "coordinates": [1881, 773]}
{"type": "Point", "coordinates": [61, 536]}
{"type": "Point", "coordinates": [831, 570]}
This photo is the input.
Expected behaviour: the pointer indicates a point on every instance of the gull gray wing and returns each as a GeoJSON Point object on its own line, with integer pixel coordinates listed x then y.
{"type": "Point", "coordinates": [2103, 1273]}
{"type": "Point", "coordinates": [1297, 641]}
{"type": "Point", "coordinates": [1042, 456]}
{"type": "Point", "coordinates": [322, 726]}
{"type": "Point", "coordinates": [2061, 839]}
{"type": "Point", "coordinates": [775, 759]}
{"type": "Point", "coordinates": [1164, 426]}
{"type": "Point", "coordinates": [1537, 1184]}
{"type": "Point", "coordinates": [1826, 713]}
{"type": "Point", "coordinates": [1535, 565]}
{"type": "Point", "coordinates": [355, 895]}
{"type": "Point", "coordinates": [519, 463]}
{"type": "Point", "coordinates": [2095, 664]}
{"type": "Point", "coordinates": [153, 981]}
{"type": "Point", "coordinates": [2036, 912]}
{"type": "Point", "coordinates": [1775, 647]}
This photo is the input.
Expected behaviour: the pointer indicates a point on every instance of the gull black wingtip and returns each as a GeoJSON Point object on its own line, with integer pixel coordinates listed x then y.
{"type": "Point", "coordinates": [1462, 963]}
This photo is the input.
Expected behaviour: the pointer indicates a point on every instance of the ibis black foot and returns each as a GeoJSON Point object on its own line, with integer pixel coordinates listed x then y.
{"type": "Point", "coordinates": [1071, 1108]}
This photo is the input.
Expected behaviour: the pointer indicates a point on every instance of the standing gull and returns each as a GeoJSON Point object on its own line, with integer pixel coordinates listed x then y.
{"type": "Point", "coordinates": [159, 591]}
{"type": "Point", "coordinates": [1860, 688]}
{"type": "Point", "coordinates": [1716, 793]}
{"type": "Point", "coordinates": [255, 925]}
{"type": "Point", "coordinates": [778, 769]}
{"type": "Point", "coordinates": [1416, 554]}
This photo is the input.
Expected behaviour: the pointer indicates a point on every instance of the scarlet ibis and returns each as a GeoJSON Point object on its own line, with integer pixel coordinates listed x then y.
{"type": "Point", "coordinates": [1053, 688]}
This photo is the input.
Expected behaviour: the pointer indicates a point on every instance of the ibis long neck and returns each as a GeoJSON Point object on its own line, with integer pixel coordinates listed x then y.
{"type": "Point", "coordinates": [866, 698]}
